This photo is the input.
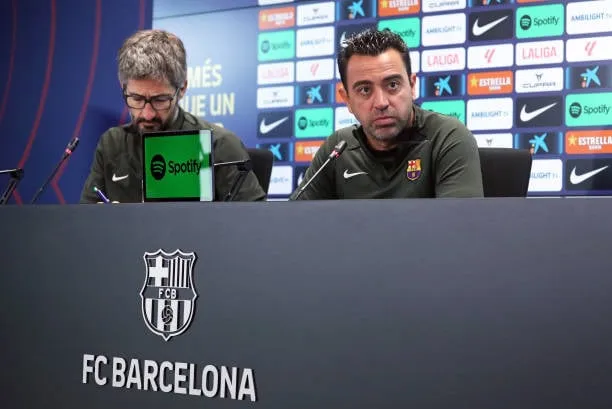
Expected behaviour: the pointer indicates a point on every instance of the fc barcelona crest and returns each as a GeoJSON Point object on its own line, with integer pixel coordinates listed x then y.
{"type": "Point", "coordinates": [413, 171]}
{"type": "Point", "coordinates": [168, 294]}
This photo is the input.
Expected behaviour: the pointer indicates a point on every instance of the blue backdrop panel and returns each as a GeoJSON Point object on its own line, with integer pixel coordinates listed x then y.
{"type": "Point", "coordinates": [58, 79]}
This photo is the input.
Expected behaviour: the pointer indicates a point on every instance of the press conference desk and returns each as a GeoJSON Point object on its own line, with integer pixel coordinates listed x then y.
{"type": "Point", "coordinates": [488, 304]}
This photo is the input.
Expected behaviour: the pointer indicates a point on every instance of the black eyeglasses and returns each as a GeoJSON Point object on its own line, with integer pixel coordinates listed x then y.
{"type": "Point", "coordinates": [158, 102]}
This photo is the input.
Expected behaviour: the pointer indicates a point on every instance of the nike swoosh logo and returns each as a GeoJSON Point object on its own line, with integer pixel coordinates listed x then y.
{"type": "Point", "coordinates": [480, 30]}
{"type": "Point", "coordinates": [265, 128]}
{"type": "Point", "coordinates": [528, 116]}
{"type": "Point", "coordinates": [118, 178]}
{"type": "Point", "coordinates": [343, 40]}
{"type": "Point", "coordinates": [576, 179]}
{"type": "Point", "coordinates": [348, 175]}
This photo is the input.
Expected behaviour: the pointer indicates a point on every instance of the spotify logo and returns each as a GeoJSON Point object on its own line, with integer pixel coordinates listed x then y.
{"type": "Point", "coordinates": [575, 109]}
{"type": "Point", "coordinates": [314, 122]}
{"type": "Point", "coordinates": [525, 22]}
{"type": "Point", "coordinates": [158, 167]}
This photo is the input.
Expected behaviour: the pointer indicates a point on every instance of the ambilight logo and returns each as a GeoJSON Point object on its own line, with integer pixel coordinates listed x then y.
{"type": "Point", "coordinates": [525, 22]}
{"type": "Point", "coordinates": [575, 109]}
{"type": "Point", "coordinates": [158, 167]}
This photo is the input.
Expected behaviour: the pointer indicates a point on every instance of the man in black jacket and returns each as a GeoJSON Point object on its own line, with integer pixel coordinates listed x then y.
{"type": "Point", "coordinates": [153, 76]}
{"type": "Point", "coordinates": [398, 150]}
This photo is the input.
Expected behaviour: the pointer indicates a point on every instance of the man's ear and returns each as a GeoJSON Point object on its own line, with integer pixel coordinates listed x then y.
{"type": "Point", "coordinates": [181, 93]}
{"type": "Point", "coordinates": [345, 97]}
{"type": "Point", "coordinates": [412, 80]}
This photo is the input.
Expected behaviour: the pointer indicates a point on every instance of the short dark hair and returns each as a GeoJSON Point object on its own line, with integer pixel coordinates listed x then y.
{"type": "Point", "coordinates": [371, 42]}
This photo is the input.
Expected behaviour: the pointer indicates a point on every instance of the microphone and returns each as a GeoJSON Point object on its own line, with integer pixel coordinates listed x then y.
{"type": "Point", "coordinates": [335, 153]}
{"type": "Point", "coordinates": [67, 152]}
{"type": "Point", "coordinates": [15, 173]}
{"type": "Point", "coordinates": [244, 166]}
{"type": "Point", "coordinates": [16, 176]}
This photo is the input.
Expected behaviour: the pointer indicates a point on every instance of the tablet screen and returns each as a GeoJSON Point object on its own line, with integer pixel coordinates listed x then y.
{"type": "Point", "coordinates": [177, 166]}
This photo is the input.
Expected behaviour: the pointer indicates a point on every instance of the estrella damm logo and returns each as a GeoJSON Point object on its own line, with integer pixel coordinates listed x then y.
{"type": "Point", "coordinates": [407, 28]}
{"type": "Point", "coordinates": [591, 109]}
{"type": "Point", "coordinates": [454, 108]}
{"type": "Point", "coordinates": [588, 142]}
{"type": "Point", "coordinates": [276, 18]}
{"type": "Point", "coordinates": [158, 167]}
{"type": "Point", "coordinates": [389, 8]}
{"type": "Point", "coordinates": [276, 45]}
{"type": "Point", "coordinates": [413, 170]}
{"type": "Point", "coordinates": [489, 83]}
{"type": "Point", "coordinates": [313, 123]}
{"type": "Point", "coordinates": [540, 21]}
{"type": "Point", "coordinates": [306, 150]}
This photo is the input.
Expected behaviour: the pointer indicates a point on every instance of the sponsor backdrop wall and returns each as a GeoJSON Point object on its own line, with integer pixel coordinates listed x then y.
{"type": "Point", "coordinates": [524, 74]}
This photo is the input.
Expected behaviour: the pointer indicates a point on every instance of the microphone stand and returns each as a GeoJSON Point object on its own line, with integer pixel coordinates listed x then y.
{"type": "Point", "coordinates": [67, 152]}
{"type": "Point", "coordinates": [299, 193]}
{"type": "Point", "coordinates": [335, 153]}
{"type": "Point", "coordinates": [244, 167]}
{"type": "Point", "coordinates": [16, 176]}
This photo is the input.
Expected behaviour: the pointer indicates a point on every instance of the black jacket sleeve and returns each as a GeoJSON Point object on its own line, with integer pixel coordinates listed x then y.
{"type": "Point", "coordinates": [95, 177]}
{"type": "Point", "coordinates": [458, 165]}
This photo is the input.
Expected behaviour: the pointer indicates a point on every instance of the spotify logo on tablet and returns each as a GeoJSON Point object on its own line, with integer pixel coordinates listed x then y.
{"type": "Point", "coordinates": [158, 167]}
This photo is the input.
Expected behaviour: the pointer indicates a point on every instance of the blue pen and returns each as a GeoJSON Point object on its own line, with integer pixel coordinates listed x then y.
{"type": "Point", "coordinates": [101, 195]}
